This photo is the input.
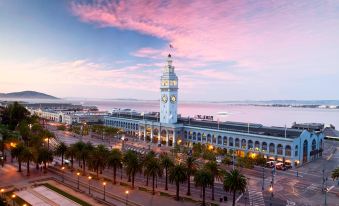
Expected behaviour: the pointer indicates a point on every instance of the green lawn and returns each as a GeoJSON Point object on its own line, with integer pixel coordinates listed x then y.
{"type": "Point", "coordinates": [65, 194]}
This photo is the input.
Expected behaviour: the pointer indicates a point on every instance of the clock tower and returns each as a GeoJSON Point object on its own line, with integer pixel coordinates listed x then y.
{"type": "Point", "coordinates": [168, 94]}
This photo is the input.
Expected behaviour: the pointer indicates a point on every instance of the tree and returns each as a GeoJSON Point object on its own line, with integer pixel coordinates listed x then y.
{"type": "Point", "coordinates": [132, 165]}
{"type": "Point", "coordinates": [335, 174]}
{"type": "Point", "coordinates": [153, 169]}
{"type": "Point", "coordinates": [191, 167]}
{"type": "Point", "coordinates": [98, 158]}
{"type": "Point", "coordinates": [60, 150]}
{"type": "Point", "coordinates": [17, 152]}
{"type": "Point", "coordinates": [234, 181]}
{"type": "Point", "coordinates": [149, 156]}
{"type": "Point", "coordinates": [114, 161]}
{"type": "Point", "coordinates": [27, 156]}
{"type": "Point", "coordinates": [212, 167]}
{"type": "Point", "coordinates": [13, 114]}
{"type": "Point", "coordinates": [203, 178]}
{"type": "Point", "coordinates": [45, 156]}
{"type": "Point", "coordinates": [178, 175]}
{"type": "Point", "coordinates": [166, 163]}
{"type": "Point", "coordinates": [82, 153]}
{"type": "Point", "coordinates": [71, 153]}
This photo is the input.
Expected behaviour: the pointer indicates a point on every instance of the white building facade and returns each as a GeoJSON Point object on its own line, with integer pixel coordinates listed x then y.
{"type": "Point", "coordinates": [294, 146]}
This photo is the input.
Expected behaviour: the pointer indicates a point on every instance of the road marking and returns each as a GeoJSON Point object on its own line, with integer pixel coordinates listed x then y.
{"type": "Point", "coordinates": [330, 188]}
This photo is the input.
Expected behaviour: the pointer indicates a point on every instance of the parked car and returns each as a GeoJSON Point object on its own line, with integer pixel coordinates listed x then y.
{"type": "Point", "coordinates": [270, 164]}
{"type": "Point", "coordinates": [280, 166]}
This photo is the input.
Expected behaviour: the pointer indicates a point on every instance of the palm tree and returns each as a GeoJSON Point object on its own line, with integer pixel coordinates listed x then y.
{"type": "Point", "coordinates": [149, 156]}
{"type": "Point", "coordinates": [212, 166]}
{"type": "Point", "coordinates": [98, 158]}
{"type": "Point", "coordinates": [114, 161]}
{"type": "Point", "coordinates": [132, 164]}
{"type": "Point", "coordinates": [178, 175]}
{"type": "Point", "coordinates": [153, 169]}
{"type": "Point", "coordinates": [45, 156]}
{"type": "Point", "coordinates": [17, 152]}
{"type": "Point", "coordinates": [203, 178]}
{"type": "Point", "coordinates": [60, 150]}
{"type": "Point", "coordinates": [234, 181]}
{"type": "Point", "coordinates": [27, 156]}
{"type": "Point", "coordinates": [83, 151]}
{"type": "Point", "coordinates": [71, 153]}
{"type": "Point", "coordinates": [166, 163]}
{"type": "Point", "coordinates": [335, 174]}
{"type": "Point", "coordinates": [191, 167]}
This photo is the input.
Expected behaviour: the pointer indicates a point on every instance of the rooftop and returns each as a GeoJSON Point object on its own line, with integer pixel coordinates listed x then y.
{"type": "Point", "coordinates": [225, 126]}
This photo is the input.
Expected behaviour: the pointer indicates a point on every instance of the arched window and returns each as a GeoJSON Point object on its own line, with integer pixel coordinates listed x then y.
{"type": "Point", "coordinates": [230, 142]}
{"type": "Point", "coordinates": [305, 150]}
{"type": "Point", "coordinates": [243, 143]}
{"type": "Point", "coordinates": [209, 139]}
{"type": "Point", "coordinates": [314, 145]}
{"type": "Point", "coordinates": [225, 141]}
{"type": "Point", "coordinates": [237, 142]}
{"type": "Point", "coordinates": [264, 147]}
{"type": "Point", "coordinates": [256, 145]}
{"type": "Point", "coordinates": [214, 139]}
{"type": "Point", "coordinates": [219, 140]}
{"type": "Point", "coordinates": [296, 151]}
{"type": "Point", "coordinates": [272, 148]}
{"type": "Point", "coordinates": [194, 136]}
{"type": "Point", "coordinates": [190, 135]}
{"type": "Point", "coordinates": [280, 149]}
{"type": "Point", "coordinates": [185, 134]}
{"type": "Point", "coordinates": [250, 144]}
{"type": "Point", "coordinates": [288, 150]}
{"type": "Point", "coordinates": [199, 136]}
{"type": "Point", "coordinates": [204, 137]}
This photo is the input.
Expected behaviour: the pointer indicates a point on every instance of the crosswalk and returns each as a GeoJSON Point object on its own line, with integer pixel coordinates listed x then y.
{"type": "Point", "coordinates": [256, 198]}
{"type": "Point", "coordinates": [303, 186]}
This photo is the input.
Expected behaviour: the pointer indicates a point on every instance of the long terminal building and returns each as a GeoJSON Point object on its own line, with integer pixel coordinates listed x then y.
{"type": "Point", "coordinates": [295, 146]}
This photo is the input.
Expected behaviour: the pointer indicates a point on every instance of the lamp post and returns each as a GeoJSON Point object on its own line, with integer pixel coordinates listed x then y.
{"type": "Point", "coordinates": [126, 192]}
{"type": "Point", "coordinates": [47, 140]}
{"type": "Point", "coordinates": [89, 184]}
{"type": "Point", "coordinates": [263, 178]}
{"type": "Point", "coordinates": [13, 197]}
{"type": "Point", "coordinates": [271, 191]}
{"type": "Point", "coordinates": [2, 192]}
{"type": "Point", "coordinates": [104, 184]}
{"type": "Point", "coordinates": [78, 174]}
{"type": "Point", "coordinates": [62, 171]}
{"type": "Point", "coordinates": [325, 190]}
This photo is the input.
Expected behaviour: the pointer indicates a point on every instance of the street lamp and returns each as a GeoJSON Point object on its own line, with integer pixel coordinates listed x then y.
{"type": "Point", "coordinates": [47, 140]}
{"type": "Point", "coordinates": [126, 192]}
{"type": "Point", "coordinates": [2, 191]}
{"type": "Point", "coordinates": [271, 191]}
{"type": "Point", "coordinates": [78, 174]}
{"type": "Point", "coordinates": [13, 197]}
{"type": "Point", "coordinates": [62, 171]}
{"type": "Point", "coordinates": [89, 184]}
{"type": "Point", "coordinates": [104, 184]}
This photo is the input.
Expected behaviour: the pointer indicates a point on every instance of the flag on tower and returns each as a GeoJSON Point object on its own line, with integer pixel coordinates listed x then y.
{"type": "Point", "coordinates": [171, 46]}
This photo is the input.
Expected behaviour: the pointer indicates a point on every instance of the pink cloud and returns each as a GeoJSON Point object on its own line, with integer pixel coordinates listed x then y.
{"type": "Point", "coordinates": [215, 30]}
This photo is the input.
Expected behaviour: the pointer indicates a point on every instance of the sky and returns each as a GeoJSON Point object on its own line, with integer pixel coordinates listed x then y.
{"type": "Point", "coordinates": [223, 49]}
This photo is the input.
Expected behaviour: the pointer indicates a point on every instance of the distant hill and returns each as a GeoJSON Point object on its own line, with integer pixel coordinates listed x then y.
{"type": "Point", "coordinates": [27, 95]}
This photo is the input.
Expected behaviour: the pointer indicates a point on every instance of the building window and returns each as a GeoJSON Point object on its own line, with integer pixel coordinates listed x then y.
{"type": "Point", "coordinates": [231, 142]}
{"type": "Point", "coordinates": [243, 144]}
{"type": "Point", "coordinates": [272, 148]}
{"type": "Point", "coordinates": [219, 140]}
{"type": "Point", "coordinates": [237, 142]}
{"type": "Point", "coordinates": [256, 145]}
{"type": "Point", "coordinates": [264, 146]}
{"type": "Point", "coordinates": [280, 149]}
{"type": "Point", "coordinates": [194, 136]}
{"type": "Point", "coordinates": [199, 137]}
{"type": "Point", "coordinates": [225, 141]}
{"type": "Point", "coordinates": [250, 144]}
{"type": "Point", "coordinates": [288, 150]}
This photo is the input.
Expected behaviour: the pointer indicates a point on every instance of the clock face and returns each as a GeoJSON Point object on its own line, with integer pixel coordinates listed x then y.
{"type": "Point", "coordinates": [164, 98]}
{"type": "Point", "coordinates": [173, 98]}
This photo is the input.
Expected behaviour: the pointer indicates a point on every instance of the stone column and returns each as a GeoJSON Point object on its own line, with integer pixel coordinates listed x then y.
{"type": "Point", "coordinates": [167, 137]}
{"type": "Point", "coordinates": [151, 134]}
{"type": "Point", "coordinates": [139, 132]}
{"type": "Point", "coordinates": [145, 133]}
{"type": "Point", "coordinates": [159, 136]}
{"type": "Point", "coordinates": [173, 141]}
{"type": "Point", "coordinates": [222, 140]}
